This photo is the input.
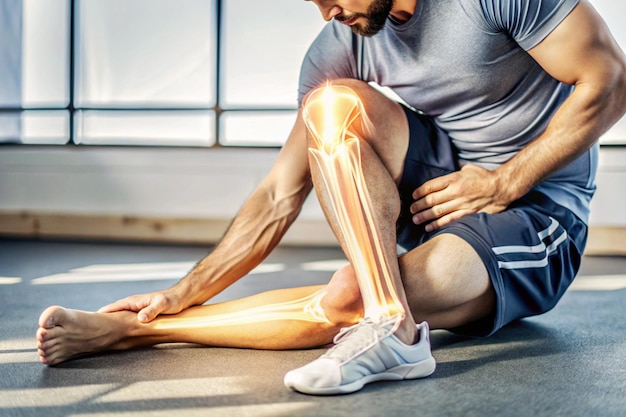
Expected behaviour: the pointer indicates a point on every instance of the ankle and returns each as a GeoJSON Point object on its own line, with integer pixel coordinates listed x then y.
{"type": "Point", "coordinates": [407, 332]}
{"type": "Point", "coordinates": [121, 326]}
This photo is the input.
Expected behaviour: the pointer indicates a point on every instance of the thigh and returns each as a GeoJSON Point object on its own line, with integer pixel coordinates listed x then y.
{"type": "Point", "coordinates": [446, 283]}
{"type": "Point", "coordinates": [532, 252]}
{"type": "Point", "coordinates": [430, 154]}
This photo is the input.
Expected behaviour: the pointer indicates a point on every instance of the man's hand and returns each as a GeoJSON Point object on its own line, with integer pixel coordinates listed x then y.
{"type": "Point", "coordinates": [147, 306]}
{"type": "Point", "coordinates": [447, 198]}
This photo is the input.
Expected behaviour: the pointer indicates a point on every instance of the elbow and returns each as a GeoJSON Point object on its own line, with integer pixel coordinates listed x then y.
{"type": "Point", "coordinates": [621, 88]}
{"type": "Point", "coordinates": [609, 93]}
{"type": "Point", "coordinates": [617, 88]}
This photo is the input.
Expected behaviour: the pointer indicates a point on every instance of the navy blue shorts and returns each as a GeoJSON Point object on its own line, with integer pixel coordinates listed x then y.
{"type": "Point", "coordinates": [532, 250]}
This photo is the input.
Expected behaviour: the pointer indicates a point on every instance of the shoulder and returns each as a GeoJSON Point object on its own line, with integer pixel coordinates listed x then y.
{"type": "Point", "coordinates": [524, 20]}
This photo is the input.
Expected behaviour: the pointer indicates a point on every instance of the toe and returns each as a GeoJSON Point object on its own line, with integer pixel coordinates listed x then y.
{"type": "Point", "coordinates": [50, 356]}
{"type": "Point", "coordinates": [51, 316]}
{"type": "Point", "coordinates": [48, 344]}
{"type": "Point", "coordinates": [41, 335]}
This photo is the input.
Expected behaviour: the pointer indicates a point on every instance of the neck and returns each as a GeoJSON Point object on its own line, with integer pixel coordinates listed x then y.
{"type": "Point", "coordinates": [403, 10]}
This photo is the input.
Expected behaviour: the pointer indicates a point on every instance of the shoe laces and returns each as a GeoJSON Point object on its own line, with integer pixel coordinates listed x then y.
{"type": "Point", "coordinates": [352, 340]}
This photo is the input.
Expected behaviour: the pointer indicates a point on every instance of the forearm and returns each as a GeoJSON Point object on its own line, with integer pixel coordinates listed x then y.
{"type": "Point", "coordinates": [581, 51]}
{"type": "Point", "coordinates": [576, 126]}
{"type": "Point", "coordinates": [254, 233]}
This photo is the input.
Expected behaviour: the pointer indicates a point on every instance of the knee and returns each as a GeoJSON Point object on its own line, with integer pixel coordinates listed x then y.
{"type": "Point", "coordinates": [353, 100]}
{"type": "Point", "coordinates": [342, 303]}
{"type": "Point", "coordinates": [357, 86]}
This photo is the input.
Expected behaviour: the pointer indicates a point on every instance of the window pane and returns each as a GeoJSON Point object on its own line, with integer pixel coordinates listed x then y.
{"type": "Point", "coordinates": [146, 53]}
{"type": "Point", "coordinates": [256, 128]}
{"type": "Point", "coordinates": [10, 127]}
{"type": "Point", "coordinates": [45, 60]}
{"type": "Point", "coordinates": [145, 127]}
{"type": "Point", "coordinates": [10, 56]}
{"type": "Point", "coordinates": [262, 49]}
{"type": "Point", "coordinates": [34, 71]}
{"type": "Point", "coordinates": [46, 127]}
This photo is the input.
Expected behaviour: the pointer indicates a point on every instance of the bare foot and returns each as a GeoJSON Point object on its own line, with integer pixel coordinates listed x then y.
{"type": "Point", "coordinates": [64, 334]}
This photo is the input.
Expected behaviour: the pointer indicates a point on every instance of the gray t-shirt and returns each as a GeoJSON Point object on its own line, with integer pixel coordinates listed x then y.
{"type": "Point", "coordinates": [464, 62]}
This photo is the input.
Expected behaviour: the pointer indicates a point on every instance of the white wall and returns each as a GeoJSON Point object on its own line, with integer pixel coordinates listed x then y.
{"type": "Point", "coordinates": [208, 183]}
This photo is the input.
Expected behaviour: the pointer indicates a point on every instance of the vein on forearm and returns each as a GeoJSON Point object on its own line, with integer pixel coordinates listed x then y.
{"type": "Point", "coordinates": [254, 233]}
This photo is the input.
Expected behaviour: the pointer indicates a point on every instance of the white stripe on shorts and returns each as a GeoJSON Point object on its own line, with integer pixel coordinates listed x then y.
{"type": "Point", "coordinates": [519, 249]}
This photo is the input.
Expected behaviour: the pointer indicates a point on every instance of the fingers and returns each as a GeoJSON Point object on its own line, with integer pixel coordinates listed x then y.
{"type": "Point", "coordinates": [147, 306]}
{"type": "Point", "coordinates": [133, 303]}
{"type": "Point", "coordinates": [445, 220]}
{"type": "Point", "coordinates": [161, 303]}
{"type": "Point", "coordinates": [145, 312]}
{"type": "Point", "coordinates": [434, 185]}
{"type": "Point", "coordinates": [433, 199]}
{"type": "Point", "coordinates": [452, 196]}
{"type": "Point", "coordinates": [434, 204]}
{"type": "Point", "coordinates": [119, 305]}
{"type": "Point", "coordinates": [440, 214]}
{"type": "Point", "coordinates": [438, 202]}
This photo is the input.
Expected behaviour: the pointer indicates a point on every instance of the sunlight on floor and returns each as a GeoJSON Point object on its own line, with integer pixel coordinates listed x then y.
{"type": "Point", "coordinates": [54, 396]}
{"type": "Point", "coordinates": [18, 351]}
{"type": "Point", "coordinates": [118, 273]}
{"type": "Point", "coordinates": [120, 396]}
{"type": "Point", "coordinates": [599, 283]}
{"type": "Point", "coordinates": [321, 266]}
{"type": "Point", "coordinates": [24, 356]}
{"type": "Point", "coordinates": [251, 410]}
{"type": "Point", "coordinates": [10, 280]}
{"type": "Point", "coordinates": [102, 273]}
{"type": "Point", "coordinates": [134, 272]}
{"type": "Point", "coordinates": [16, 344]}
{"type": "Point", "coordinates": [101, 395]}
{"type": "Point", "coordinates": [176, 388]}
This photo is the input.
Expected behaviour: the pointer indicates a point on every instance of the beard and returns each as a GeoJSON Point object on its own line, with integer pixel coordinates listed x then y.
{"type": "Point", "coordinates": [376, 17]}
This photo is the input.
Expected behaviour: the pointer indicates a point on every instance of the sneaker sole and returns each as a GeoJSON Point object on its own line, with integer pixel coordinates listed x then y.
{"type": "Point", "coordinates": [409, 371]}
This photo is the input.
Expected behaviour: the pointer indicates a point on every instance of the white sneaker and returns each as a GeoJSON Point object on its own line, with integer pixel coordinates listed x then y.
{"type": "Point", "coordinates": [363, 353]}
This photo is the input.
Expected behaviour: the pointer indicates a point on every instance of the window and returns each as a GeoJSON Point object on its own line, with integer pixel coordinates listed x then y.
{"type": "Point", "coordinates": [34, 71]}
{"type": "Point", "coordinates": [164, 72]}
{"type": "Point", "coordinates": [151, 72]}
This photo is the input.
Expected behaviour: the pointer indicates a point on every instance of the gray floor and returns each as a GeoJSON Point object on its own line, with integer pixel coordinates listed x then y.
{"type": "Point", "coordinates": [568, 362]}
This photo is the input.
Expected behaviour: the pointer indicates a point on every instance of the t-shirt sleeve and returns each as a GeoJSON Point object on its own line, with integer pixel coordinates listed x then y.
{"type": "Point", "coordinates": [527, 21]}
{"type": "Point", "coordinates": [329, 57]}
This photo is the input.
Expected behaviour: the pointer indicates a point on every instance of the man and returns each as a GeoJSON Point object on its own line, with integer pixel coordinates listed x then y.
{"type": "Point", "coordinates": [485, 188]}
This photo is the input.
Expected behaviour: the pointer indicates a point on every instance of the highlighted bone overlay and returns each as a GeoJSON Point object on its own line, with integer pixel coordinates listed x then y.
{"type": "Point", "coordinates": [304, 309]}
{"type": "Point", "coordinates": [329, 114]}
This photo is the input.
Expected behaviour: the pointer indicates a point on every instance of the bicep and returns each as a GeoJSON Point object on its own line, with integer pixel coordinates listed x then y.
{"type": "Point", "coordinates": [581, 49]}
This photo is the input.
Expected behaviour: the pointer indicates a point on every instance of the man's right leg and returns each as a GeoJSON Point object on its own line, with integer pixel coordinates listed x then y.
{"type": "Point", "coordinates": [64, 334]}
